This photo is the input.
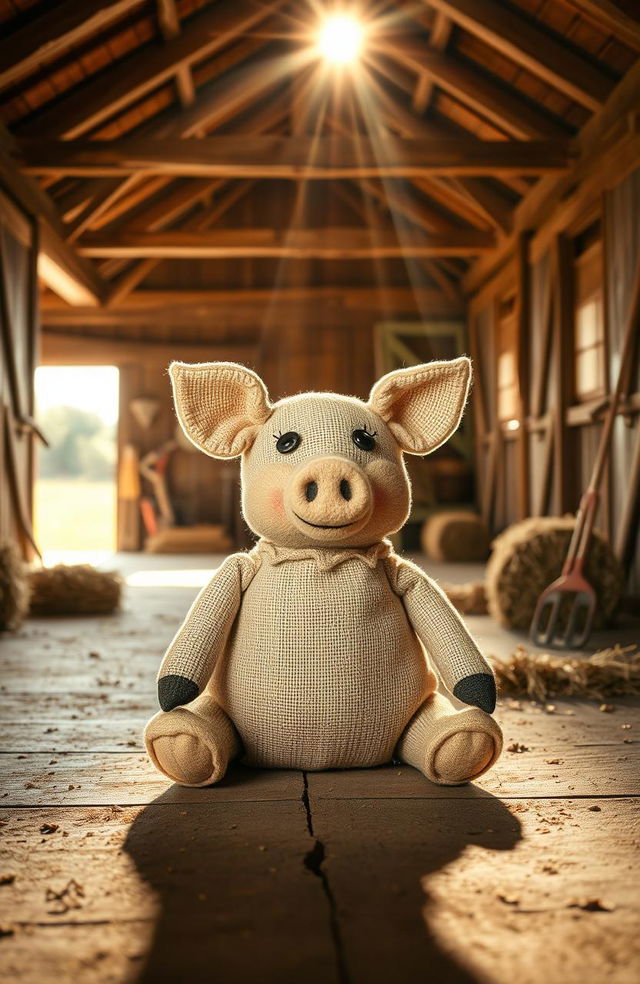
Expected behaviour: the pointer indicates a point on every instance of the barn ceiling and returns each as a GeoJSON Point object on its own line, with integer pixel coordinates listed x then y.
{"type": "Point", "coordinates": [171, 130]}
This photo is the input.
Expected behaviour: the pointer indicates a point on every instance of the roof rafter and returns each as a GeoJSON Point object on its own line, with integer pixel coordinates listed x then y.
{"type": "Point", "coordinates": [320, 243]}
{"type": "Point", "coordinates": [133, 76]}
{"type": "Point", "coordinates": [611, 17]}
{"type": "Point", "coordinates": [492, 100]}
{"type": "Point", "coordinates": [528, 45]}
{"type": "Point", "coordinates": [53, 32]}
{"type": "Point", "coordinates": [295, 158]}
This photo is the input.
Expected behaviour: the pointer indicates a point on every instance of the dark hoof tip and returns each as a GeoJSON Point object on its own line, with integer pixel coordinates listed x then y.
{"type": "Point", "coordinates": [175, 690]}
{"type": "Point", "coordinates": [479, 690]}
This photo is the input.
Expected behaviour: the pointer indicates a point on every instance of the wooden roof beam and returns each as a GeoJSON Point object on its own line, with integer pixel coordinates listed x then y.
{"type": "Point", "coordinates": [321, 243]}
{"type": "Point", "coordinates": [295, 158]}
{"type": "Point", "coordinates": [610, 17]}
{"type": "Point", "coordinates": [139, 73]}
{"type": "Point", "coordinates": [491, 99]}
{"type": "Point", "coordinates": [59, 265]}
{"type": "Point", "coordinates": [438, 40]}
{"type": "Point", "coordinates": [51, 33]}
{"type": "Point", "coordinates": [134, 276]}
{"type": "Point", "coordinates": [523, 42]}
{"type": "Point", "coordinates": [203, 302]}
{"type": "Point", "coordinates": [170, 27]}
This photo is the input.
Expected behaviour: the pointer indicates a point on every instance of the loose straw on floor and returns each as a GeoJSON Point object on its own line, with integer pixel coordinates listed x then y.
{"type": "Point", "coordinates": [613, 672]}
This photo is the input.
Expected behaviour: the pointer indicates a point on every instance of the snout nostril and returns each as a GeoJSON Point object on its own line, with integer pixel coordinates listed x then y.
{"type": "Point", "coordinates": [345, 489]}
{"type": "Point", "coordinates": [311, 491]}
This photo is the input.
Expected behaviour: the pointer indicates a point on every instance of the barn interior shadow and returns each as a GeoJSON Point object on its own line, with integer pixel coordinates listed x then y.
{"type": "Point", "coordinates": [251, 891]}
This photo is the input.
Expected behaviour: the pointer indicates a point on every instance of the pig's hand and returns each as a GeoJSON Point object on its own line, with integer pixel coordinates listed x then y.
{"type": "Point", "coordinates": [191, 657]}
{"type": "Point", "coordinates": [477, 689]}
{"type": "Point", "coordinates": [460, 664]}
{"type": "Point", "coordinates": [175, 690]}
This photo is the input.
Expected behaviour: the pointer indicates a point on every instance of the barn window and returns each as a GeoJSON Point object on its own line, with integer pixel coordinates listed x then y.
{"type": "Point", "coordinates": [590, 360]}
{"type": "Point", "coordinates": [506, 355]}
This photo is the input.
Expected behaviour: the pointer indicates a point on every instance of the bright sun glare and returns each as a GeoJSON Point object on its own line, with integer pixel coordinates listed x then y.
{"type": "Point", "coordinates": [340, 39]}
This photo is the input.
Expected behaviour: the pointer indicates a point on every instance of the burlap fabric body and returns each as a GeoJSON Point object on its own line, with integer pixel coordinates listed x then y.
{"type": "Point", "coordinates": [322, 668]}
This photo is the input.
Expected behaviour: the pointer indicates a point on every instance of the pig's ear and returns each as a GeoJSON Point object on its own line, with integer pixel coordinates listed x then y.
{"type": "Point", "coordinates": [220, 405]}
{"type": "Point", "coordinates": [423, 404]}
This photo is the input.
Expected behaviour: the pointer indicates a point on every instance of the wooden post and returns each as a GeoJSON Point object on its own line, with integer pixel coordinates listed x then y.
{"type": "Point", "coordinates": [523, 301]}
{"type": "Point", "coordinates": [563, 357]}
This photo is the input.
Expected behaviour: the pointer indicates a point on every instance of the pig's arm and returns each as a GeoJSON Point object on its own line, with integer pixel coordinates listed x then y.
{"type": "Point", "coordinates": [462, 668]}
{"type": "Point", "coordinates": [189, 661]}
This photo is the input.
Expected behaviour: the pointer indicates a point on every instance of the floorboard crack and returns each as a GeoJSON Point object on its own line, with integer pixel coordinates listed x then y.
{"type": "Point", "coordinates": [313, 861]}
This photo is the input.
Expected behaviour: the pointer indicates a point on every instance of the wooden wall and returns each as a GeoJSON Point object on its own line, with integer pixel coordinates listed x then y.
{"type": "Point", "coordinates": [546, 334]}
{"type": "Point", "coordinates": [18, 353]}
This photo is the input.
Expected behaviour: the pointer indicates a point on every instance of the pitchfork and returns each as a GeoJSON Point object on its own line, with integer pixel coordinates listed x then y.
{"type": "Point", "coordinates": [572, 587]}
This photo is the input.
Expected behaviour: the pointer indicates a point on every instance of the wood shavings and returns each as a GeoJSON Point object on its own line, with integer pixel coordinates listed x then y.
{"type": "Point", "coordinates": [591, 905]}
{"type": "Point", "coordinates": [68, 898]}
{"type": "Point", "coordinates": [507, 898]}
{"type": "Point", "coordinates": [613, 672]}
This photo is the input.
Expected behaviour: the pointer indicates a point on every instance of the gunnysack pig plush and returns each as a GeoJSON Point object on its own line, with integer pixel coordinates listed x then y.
{"type": "Point", "coordinates": [317, 649]}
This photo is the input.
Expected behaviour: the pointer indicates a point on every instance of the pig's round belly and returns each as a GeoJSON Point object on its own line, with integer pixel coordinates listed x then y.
{"type": "Point", "coordinates": [322, 669]}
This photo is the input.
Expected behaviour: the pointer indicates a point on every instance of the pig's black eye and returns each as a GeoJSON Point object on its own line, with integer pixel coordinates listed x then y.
{"type": "Point", "coordinates": [363, 439]}
{"type": "Point", "coordinates": [286, 443]}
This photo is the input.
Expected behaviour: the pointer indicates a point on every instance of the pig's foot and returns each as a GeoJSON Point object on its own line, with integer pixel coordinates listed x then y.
{"type": "Point", "coordinates": [192, 745]}
{"type": "Point", "coordinates": [449, 746]}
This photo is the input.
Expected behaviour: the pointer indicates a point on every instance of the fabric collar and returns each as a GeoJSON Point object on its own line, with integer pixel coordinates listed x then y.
{"type": "Point", "coordinates": [325, 559]}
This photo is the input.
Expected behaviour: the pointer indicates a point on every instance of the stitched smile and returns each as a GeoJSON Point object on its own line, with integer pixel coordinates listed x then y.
{"type": "Point", "coordinates": [319, 526]}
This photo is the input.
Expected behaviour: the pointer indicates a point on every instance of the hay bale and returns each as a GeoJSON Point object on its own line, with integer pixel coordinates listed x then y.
{"type": "Point", "coordinates": [613, 672]}
{"type": "Point", "coordinates": [529, 555]}
{"type": "Point", "coordinates": [14, 587]}
{"type": "Point", "coordinates": [455, 535]}
{"type": "Point", "coordinates": [76, 589]}
{"type": "Point", "coordinates": [469, 599]}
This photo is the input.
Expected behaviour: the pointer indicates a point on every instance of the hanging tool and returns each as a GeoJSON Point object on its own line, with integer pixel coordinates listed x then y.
{"type": "Point", "coordinates": [571, 592]}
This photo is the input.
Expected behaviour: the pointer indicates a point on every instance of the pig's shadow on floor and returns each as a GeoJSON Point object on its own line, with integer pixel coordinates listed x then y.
{"type": "Point", "coordinates": [245, 895]}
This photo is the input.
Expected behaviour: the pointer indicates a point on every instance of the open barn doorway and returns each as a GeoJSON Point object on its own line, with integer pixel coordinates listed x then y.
{"type": "Point", "coordinates": [75, 498]}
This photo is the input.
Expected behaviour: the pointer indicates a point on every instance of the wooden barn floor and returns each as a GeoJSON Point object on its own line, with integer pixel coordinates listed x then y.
{"type": "Point", "coordinates": [110, 874]}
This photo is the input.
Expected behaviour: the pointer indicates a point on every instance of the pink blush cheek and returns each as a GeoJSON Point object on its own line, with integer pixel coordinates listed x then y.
{"type": "Point", "coordinates": [276, 502]}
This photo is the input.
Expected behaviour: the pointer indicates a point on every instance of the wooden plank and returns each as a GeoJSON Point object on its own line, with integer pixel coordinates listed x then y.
{"type": "Point", "coordinates": [608, 15]}
{"type": "Point", "coordinates": [59, 265]}
{"type": "Point", "coordinates": [439, 36]}
{"type": "Point", "coordinates": [167, 888]}
{"type": "Point", "coordinates": [490, 99]}
{"type": "Point", "coordinates": [112, 190]}
{"type": "Point", "coordinates": [348, 298]}
{"type": "Point", "coordinates": [139, 73]}
{"type": "Point", "coordinates": [422, 884]}
{"type": "Point", "coordinates": [131, 278]}
{"type": "Point", "coordinates": [531, 47]}
{"type": "Point", "coordinates": [51, 33]}
{"type": "Point", "coordinates": [564, 477]}
{"type": "Point", "coordinates": [584, 753]}
{"type": "Point", "coordinates": [129, 779]}
{"type": "Point", "coordinates": [321, 243]}
{"type": "Point", "coordinates": [494, 206]}
{"type": "Point", "coordinates": [607, 148]}
{"type": "Point", "coordinates": [297, 158]}
{"type": "Point", "coordinates": [76, 349]}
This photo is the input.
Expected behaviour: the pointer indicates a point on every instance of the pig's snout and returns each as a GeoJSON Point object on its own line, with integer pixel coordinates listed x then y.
{"type": "Point", "coordinates": [329, 497]}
